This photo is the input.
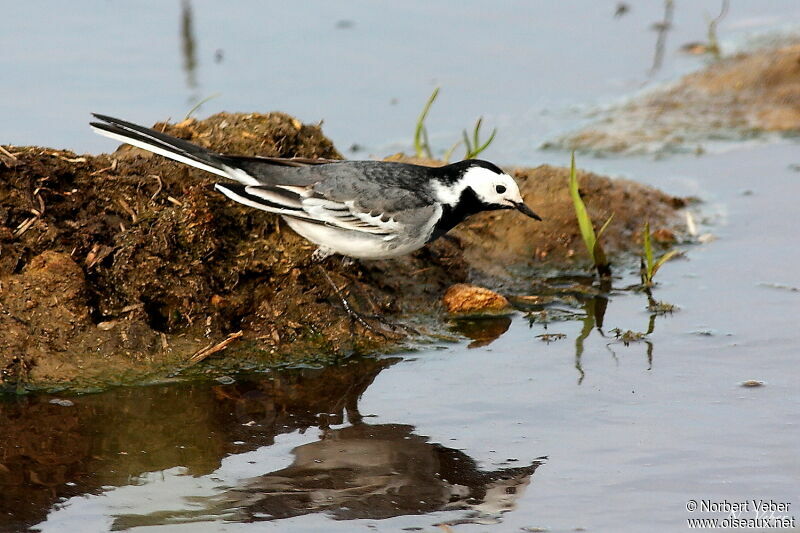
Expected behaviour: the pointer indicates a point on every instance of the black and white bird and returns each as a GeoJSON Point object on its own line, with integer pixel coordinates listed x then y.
{"type": "Point", "coordinates": [359, 209]}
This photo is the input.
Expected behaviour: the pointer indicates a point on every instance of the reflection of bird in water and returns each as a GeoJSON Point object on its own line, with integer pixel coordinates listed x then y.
{"type": "Point", "coordinates": [358, 471]}
{"type": "Point", "coordinates": [361, 471]}
{"type": "Point", "coordinates": [375, 471]}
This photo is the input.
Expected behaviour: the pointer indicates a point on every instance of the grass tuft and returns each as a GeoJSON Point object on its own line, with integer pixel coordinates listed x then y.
{"type": "Point", "coordinates": [472, 144]}
{"type": "Point", "coordinates": [590, 238]}
{"type": "Point", "coordinates": [649, 265]}
{"type": "Point", "coordinates": [474, 147]}
{"type": "Point", "coordinates": [421, 146]}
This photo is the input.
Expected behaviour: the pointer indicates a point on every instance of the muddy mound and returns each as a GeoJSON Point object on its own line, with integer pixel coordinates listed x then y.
{"type": "Point", "coordinates": [740, 97]}
{"type": "Point", "coordinates": [115, 265]}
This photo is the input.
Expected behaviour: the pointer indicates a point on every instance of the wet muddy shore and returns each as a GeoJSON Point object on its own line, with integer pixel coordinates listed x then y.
{"type": "Point", "coordinates": [750, 95]}
{"type": "Point", "coordinates": [117, 266]}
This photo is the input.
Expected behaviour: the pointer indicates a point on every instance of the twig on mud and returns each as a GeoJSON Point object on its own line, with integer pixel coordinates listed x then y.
{"type": "Point", "coordinates": [132, 307]}
{"type": "Point", "coordinates": [72, 159]}
{"type": "Point", "coordinates": [25, 226]}
{"type": "Point", "coordinates": [97, 254]}
{"type": "Point", "coordinates": [127, 208]}
{"type": "Point", "coordinates": [39, 199]}
{"type": "Point", "coordinates": [160, 185]}
{"type": "Point", "coordinates": [112, 167]}
{"type": "Point", "coordinates": [213, 348]}
{"type": "Point", "coordinates": [7, 154]}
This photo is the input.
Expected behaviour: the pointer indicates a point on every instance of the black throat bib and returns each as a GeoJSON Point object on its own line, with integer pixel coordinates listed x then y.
{"type": "Point", "coordinates": [468, 204]}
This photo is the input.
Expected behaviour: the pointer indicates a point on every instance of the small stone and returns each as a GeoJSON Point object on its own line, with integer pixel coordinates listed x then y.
{"type": "Point", "coordinates": [218, 301]}
{"type": "Point", "coordinates": [107, 326]}
{"type": "Point", "coordinates": [465, 298]}
{"type": "Point", "coordinates": [664, 236]}
{"type": "Point", "coordinates": [752, 383]}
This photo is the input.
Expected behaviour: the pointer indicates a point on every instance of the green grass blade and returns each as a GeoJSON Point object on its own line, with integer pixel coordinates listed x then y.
{"type": "Point", "coordinates": [200, 103]}
{"type": "Point", "coordinates": [600, 233]}
{"type": "Point", "coordinates": [599, 254]}
{"type": "Point", "coordinates": [485, 145]}
{"type": "Point", "coordinates": [426, 145]}
{"type": "Point", "coordinates": [661, 260]}
{"type": "Point", "coordinates": [599, 257]}
{"type": "Point", "coordinates": [651, 266]}
{"type": "Point", "coordinates": [449, 153]}
{"type": "Point", "coordinates": [476, 132]}
{"type": "Point", "coordinates": [474, 146]}
{"type": "Point", "coordinates": [648, 252]}
{"type": "Point", "coordinates": [467, 144]}
{"type": "Point", "coordinates": [584, 222]}
{"type": "Point", "coordinates": [419, 147]}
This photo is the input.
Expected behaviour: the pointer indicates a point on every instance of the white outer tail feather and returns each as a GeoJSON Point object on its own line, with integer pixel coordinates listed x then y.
{"type": "Point", "coordinates": [226, 171]}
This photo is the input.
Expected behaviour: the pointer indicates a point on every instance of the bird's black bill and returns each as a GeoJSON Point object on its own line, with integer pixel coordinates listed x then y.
{"type": "Point", "coordinates": [522, 208]}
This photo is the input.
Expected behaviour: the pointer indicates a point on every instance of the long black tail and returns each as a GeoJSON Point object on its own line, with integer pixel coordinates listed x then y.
{"type": "Point", "coordinates": [168, 146]}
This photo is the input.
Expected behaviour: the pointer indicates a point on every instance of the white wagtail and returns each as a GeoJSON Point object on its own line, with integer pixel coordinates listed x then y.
{"type": "Point", "coordinates": [360, 209]}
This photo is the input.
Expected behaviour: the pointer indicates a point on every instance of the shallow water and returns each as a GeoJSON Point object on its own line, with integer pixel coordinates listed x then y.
{"type": "Point", "coordinates": [448, 434]}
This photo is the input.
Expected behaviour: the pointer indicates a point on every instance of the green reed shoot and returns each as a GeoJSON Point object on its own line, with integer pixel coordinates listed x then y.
{"type": "Point", "coordinates": [472, 144]}
{"type": "Point", "coordinates": [649, 265]}
{"type": "Point", "coordinates": [421, 145]}
{"type": "Point", "coordinates": [590, 238]}
{"type": "Point", "coordinates": [449, 152]}
{"type": "Point", "coordinates": [474, 147]}
{"type": "Point", "coordinates": [200, 103]}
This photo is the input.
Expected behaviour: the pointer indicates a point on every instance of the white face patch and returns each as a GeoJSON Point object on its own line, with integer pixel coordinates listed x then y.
{"type": "Point", "coordinates": [490, 187]}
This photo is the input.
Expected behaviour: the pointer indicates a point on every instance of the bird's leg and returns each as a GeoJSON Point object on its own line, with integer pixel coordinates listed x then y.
{"type": "Point", "coordinates": [377, 316]}
{"type": "Point", "coordinates": [322, 253]}
{"type": "Point", "coordinates": [354, 315]}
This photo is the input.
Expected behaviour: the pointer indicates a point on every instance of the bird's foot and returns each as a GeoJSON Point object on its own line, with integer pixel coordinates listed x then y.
{"type": "Point", "coordinates": [387, 328]}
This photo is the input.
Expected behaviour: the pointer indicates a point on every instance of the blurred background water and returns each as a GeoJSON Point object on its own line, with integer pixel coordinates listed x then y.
{"type": "Point", "coordinates": [530, 68]}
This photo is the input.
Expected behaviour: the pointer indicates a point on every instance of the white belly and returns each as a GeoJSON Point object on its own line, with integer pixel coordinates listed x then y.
{"type": "Point", "coordinates": [352, 243]}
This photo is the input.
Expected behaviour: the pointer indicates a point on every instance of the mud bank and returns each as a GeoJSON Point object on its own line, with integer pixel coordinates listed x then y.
{"type": "Point", "coordinates": [741, 97]}
{"type": "Point", "coordinates": [119, 265]}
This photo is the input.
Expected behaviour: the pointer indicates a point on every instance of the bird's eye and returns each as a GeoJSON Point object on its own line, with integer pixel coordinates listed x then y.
{"type": "Point", "coordinates": [500, 189]}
